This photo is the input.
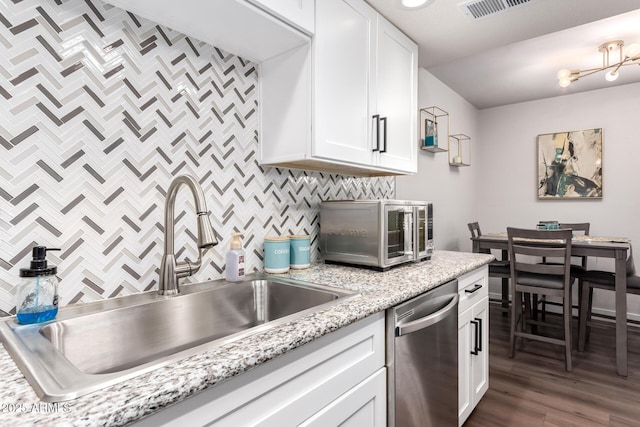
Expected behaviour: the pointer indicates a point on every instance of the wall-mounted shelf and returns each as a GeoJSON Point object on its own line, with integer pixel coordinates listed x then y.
{"type": "Point", "coordinates": [459, 150]}
{"type": "Point", "coordinates": [434, 126]}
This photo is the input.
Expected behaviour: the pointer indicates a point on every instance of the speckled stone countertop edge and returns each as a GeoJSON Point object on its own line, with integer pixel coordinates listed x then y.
{"type": "Point", "coordinates": [129, 401]}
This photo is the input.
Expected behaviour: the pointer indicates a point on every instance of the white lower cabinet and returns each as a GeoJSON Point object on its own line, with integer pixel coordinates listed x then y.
{"type": "Point", "coordinates": [337, 379]}
{"type": "Point", "coordinates": [473, 341]}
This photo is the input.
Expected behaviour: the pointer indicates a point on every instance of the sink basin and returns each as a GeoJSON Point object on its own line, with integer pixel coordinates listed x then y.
{"type": "Point", "coordinates": [95, 345]}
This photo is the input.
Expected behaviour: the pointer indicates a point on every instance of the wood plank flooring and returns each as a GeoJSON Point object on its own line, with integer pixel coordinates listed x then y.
{"type": "Point", "coordinates": [533, 388]}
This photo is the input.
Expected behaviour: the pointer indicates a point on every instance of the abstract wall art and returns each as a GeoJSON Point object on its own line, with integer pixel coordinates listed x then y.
{"type": "Point", "coordinates": [570, 165]}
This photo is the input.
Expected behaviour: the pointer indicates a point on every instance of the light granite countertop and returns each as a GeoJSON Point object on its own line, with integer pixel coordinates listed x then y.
{"type": "Point", "coordinates": [131, 400]}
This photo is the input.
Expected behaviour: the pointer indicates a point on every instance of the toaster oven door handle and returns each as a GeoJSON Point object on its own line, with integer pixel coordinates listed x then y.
{"type": "Point", "coordinates": [408, 232]}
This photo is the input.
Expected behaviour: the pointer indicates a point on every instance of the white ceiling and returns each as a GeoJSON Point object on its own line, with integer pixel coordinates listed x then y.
{"type": "Point", "coordinates": [513, 56]}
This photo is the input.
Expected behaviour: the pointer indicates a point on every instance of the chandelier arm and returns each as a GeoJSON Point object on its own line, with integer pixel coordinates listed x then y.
{"type": "Point", "coordinates": [585, 73]}
{"type": "Point", "coordinates": [589, 71]}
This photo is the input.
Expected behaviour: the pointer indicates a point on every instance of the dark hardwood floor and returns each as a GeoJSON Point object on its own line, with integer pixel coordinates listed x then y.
{"type": "Point", "coordinates": [533, 388]}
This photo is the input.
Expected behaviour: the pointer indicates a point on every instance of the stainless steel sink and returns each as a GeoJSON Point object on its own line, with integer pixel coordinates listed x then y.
{"type": "Point", "coordinates": [91, 346]}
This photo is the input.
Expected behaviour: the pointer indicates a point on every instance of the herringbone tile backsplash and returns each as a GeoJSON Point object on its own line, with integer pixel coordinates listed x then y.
{"type": "Point", "coordinates": [100, 110]}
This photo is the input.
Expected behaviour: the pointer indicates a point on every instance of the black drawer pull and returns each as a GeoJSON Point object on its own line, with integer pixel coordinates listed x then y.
{"type": "Point", "coordinates": [475, 288]}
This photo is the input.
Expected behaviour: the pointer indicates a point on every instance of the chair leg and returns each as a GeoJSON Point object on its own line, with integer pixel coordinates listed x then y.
{"type": "Point", "coordinates": [583, 310]}
{"type": "Point", "coordinates": [527, 305]}
{"type": "Point", "coordinates": [566, 314]}
{"type": "Point", "coordinates": [516, 307]}
{"type": "Point", "coordinates": [590, 308]}
{"type": "Point", "coordinates": [505, 296]}
{"type": "Point", "coordinates": [528, 313]}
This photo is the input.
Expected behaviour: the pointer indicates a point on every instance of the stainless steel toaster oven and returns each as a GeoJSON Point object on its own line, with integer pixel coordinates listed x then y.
{"type": "Point", "coordinates": [375, 233]}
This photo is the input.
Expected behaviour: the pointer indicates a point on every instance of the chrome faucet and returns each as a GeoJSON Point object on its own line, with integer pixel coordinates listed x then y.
{"type": "Point", "coordinates": [170, 270]}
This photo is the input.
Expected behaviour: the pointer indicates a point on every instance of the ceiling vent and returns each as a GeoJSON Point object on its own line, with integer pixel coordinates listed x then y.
{"type": "Point", "coordinates": [476, 9]}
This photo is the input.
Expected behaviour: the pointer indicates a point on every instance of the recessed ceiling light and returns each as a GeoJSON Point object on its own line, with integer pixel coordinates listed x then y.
{"type": "Point", "coordinates": [412, 4]}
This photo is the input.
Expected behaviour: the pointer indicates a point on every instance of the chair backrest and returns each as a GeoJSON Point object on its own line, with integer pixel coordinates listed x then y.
{"type": "Point", "coordinates": [474, 228]}
{"type": "Point", "coordinates": [577, 226]}
{"type": "Point", "coordinates": [580, 227]}
{"type": "Point", "coordinates": [525, 243]}
{"type": "Point", "coordinates": [631, 266]}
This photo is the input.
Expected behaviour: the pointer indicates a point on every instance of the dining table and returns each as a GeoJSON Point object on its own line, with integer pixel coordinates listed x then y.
{"type": "Point", "coordinates": [591, 246]}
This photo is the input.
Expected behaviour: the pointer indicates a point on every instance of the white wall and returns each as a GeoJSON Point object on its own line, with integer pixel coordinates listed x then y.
{"type": "Point", "coordinates": [451, 189]}
{"type": "Point", "coordinates": [505, 192]}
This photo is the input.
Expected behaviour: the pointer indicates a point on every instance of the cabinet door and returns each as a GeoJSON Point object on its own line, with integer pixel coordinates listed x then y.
{"type": "Point", "coordinates": [363, 405]}
{"type": "Point", "coordinates": [465, 345]}
{"type": "Point", "coordinates": [480, 363]}
{"type": "Point", "coordinates": [344, 69]}
{"type": "Point", "coordinates": [397, 94]}
{"type": "Point", "coordinates": [473, 369]}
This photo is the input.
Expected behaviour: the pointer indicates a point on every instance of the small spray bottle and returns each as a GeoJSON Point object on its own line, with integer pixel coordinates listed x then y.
{"type": "Point", "coordinates": [235, 259]}
{"type": "Point", "coordinates": [37, 293]}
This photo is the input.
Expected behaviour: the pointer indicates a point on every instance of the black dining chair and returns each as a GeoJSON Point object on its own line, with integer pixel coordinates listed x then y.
{"type": "Point", "coordinates": [581, 228]}
{"type": "Point", "coordinates": [602, 280]}
{"type": "Point", "coordinates": [530, 276]}
{"type": "Point", "coordinates": [497, 268]}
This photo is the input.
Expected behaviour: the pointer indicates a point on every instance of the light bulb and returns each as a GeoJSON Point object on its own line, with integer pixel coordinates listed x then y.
{"type": "Point", "coordinates": [564, 82]}
{"type": "Point", "coordinates": [632, 51]}
{"type": "Point", "coordinates": [413, 3]}
{"type": "Point", "coordinates": [611, 76]}
{"type": "Point", "coordinates": [563, 74]}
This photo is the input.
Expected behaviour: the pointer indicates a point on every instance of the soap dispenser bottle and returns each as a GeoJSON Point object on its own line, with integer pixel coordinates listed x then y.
{"type": "Point", "coordinates": [37, 292]}
{"type": "Point", "coordinates": [235, 259]}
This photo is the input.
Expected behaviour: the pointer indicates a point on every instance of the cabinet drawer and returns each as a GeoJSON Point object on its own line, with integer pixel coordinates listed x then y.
{"type": "Point", "coordinates": [472, 287]}
{"type": "Point", "coordinates": [363, 405]}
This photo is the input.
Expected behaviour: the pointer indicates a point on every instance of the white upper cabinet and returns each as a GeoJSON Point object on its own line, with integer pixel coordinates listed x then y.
{"type": "Point", "coordinates": [350, 106]}
{"type": "Point", "coordinates": [256, 30]}
{"type": "Point", "coordinates": [344, 70]}
{"type": "Point", "coordinates": [397, 97]}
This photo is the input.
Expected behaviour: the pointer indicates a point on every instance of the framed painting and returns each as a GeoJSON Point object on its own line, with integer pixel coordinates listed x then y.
{"type": "Point", "coordinates": [570, 165]}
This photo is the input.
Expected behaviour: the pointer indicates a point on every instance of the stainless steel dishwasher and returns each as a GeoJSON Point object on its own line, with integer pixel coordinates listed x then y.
{"type": "Point", "coordinates": [422, 359]}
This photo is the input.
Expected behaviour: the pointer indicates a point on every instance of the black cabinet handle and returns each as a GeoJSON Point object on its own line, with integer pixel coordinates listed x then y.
{"type": "Point", "coordinates": [376, 117]}
{"type": "Point", "coordinates": [479, 336]}
{"type": "Point", "coordinates": [384, 138]}
{"type": "Point", "coordinates": [475, 346]}
{"type": "Point", "coordinates": [474, 289]}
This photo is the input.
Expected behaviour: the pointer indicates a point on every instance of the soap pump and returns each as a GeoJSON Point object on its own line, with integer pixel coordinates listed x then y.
{"type": "Point", "coordinates": [37, 292]}
{"type": "Point", "coordinates": [235, 259]}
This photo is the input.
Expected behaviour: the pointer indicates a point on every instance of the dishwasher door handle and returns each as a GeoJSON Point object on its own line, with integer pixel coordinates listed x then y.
{"type": "Point", "coordinates": [431, 319]}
